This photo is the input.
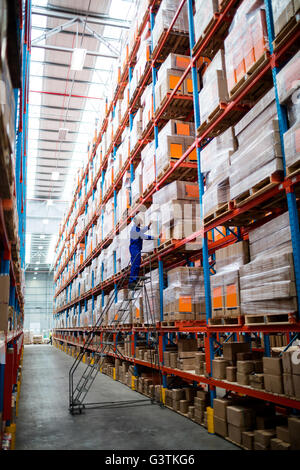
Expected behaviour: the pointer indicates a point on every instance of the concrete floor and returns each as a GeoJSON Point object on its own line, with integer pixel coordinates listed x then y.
{"type": "Point", "coordinates": [44, 421]}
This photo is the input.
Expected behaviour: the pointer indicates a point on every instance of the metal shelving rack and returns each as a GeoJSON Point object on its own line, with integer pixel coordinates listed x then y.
{"type": "Point", "coordinates": [13, 246]}
{"type": "Point", "coordinates": [165, 257]}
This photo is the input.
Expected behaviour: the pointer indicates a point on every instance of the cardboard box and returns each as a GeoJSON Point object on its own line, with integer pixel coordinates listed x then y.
{"type": "Point", "coordinates": [288, 385]}
{"type": "Point", "coordinates": [200, 403]}
{"type": "Point", "coordinates": [244, 356]}
{"type": "Point", "coordinates": [286, 362]}
{"type": "Point", "coordinates": [240, 416]}
{"type": "Point", "coordinates": [263, 436]}
{"type": "Point", "coordinates": [282, 432]}
{"type": "Point", "coordinates": [4, 299]}
{"type": "Point", "coordinates": [178, 394]}
{"type": "Point", "coordinates": [245, 367]}
{"type": "Point", "coordinates": [258, 446]}
{"type": "Point", "coordinates": [219, 368]}
{"type": "Point", "coordinates": [220, 407]}
{"type": "Point", "coordinates": [272, 365]}
{"type": "Point", "coordinates": [235, 433]}
{"type": "Point", "coordinates": [231, 349]}
{"type": "Point", "coordinates": [258, 366]}
{"type": "Point", "coordinates": [231, 374]}
{"type": "Point", "coordinates": [248, 440]}
{"type": "Point", "coordinates": [277, 444]}
{"type": "Point", "coordinates": [295, 361]}
{"type": "Point", "coordinates": [220, 426]}
{"type": "Point", "coordinates": [256, 381]}
{"type": "Point", "coordinates": [294, 432]}
{"type": "Point", "coordinates": [184, 405]}
{"type": "Point", "coordinates": [296, 384]}
{"type": "Point", "coordinates": [273, 383]}
{"type": "Point", "coordinates": [187, 345]}
{"type": "Point", "coordinates": [242, 378]}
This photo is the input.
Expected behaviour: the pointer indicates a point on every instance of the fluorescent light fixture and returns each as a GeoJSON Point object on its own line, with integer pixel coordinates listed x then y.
{"type": "Point", "coordinates": [34, 278]}
{"type": "Point", "coordinates": [55, 175]}
{"type": "Point", "coordinates": [45, 221]}
{"type": "Point", "coordinates": [42, 237]}
{"type": "Point", "coordinates": [37, 263]}
{"type": "Point", "coordinates": [49, 203]}
{"type": "Point", "coordinates": [40, 247]}
{"type": "Point", "coordinates": [36, 269]}
{"type": "Point", "coordinates": [78, 58]}
{"type": "Point", "coordinates": [51, 251]}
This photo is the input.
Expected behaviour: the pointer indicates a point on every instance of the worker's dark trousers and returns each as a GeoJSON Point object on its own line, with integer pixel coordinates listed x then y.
{"type": "Point", "coordinates": [135, 264]}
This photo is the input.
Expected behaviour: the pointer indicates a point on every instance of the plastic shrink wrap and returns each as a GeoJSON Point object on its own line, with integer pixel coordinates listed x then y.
{"type": "Point", "coordinates": [246, 41]}
{"type": "Point", "coordinates": [288, 78]}
{"type": "Point", "coordinates": [137, 184]}
{"type": "Point", "coordinates": [214, 89]}
{"type": "Point", "coordinates": [225, 283]}
{"type": "Point", "coordinates": [215, 162]}
{"type": "Point", "coordinates": [204, 14]}
{"type": "Point", "coordinates": [184, 298]}
{"type": "Point", "coordinates": [173, 141]}
{"type": "Point", "coordinates": [267, 282]}
{"type": "Point", "coordinates": [292, 145]}
{"type": "Point", "coordinates": [169, 75]}
{"type": "Point", "coordinates": [148, 162]}
{"type": "Point", "coordinates": [283, 11]}
{"type": "Point", "coordinates": [164, 18]}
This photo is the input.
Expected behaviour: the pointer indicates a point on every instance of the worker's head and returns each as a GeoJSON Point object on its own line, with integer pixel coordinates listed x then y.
{"type": "Point", "coordinates": [137, 221]}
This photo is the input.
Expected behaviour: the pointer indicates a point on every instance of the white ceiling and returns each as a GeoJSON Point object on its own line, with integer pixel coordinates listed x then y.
{"type": "Point", "coordinates": [52, 104]}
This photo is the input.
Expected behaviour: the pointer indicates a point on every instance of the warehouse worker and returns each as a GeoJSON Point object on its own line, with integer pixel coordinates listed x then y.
{"type": "Point", "coordinates": [50, 337]}
{"type": "Point", "coordinates": [137, 235]}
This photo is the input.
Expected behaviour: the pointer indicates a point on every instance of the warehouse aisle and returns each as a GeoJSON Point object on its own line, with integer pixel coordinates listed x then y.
{"type": "Point", "coordinates": [44, 422]}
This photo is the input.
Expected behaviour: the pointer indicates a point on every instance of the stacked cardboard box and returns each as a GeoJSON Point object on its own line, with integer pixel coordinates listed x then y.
{"type": "Point", "coordinates": [259, 151]}
{"type": "Point", "coordinates": [173, 141]}
{"type": "Point", "coordinates": [267, 282]}
{"type": "Point", "coordinates": [225, 284]}
{"type": "Point", "coordinates": [164, 17]}
{"type": "Point", "coordinates": [246, 42]}
{"type": "Point", "coordinates": [214, 89]}
{"type": "Point", "coordinates": [215, 163]}
{"type": "Point", "coordinates": [220, 415]}
{"type": "Point", "coordinates": [168, 77]}
{"type": "Point", "coordinates": [184, 297]}
{"type": "Point", "coordinates": [204, 14]}
{"type": "Point", "coordinates": [283, 12]}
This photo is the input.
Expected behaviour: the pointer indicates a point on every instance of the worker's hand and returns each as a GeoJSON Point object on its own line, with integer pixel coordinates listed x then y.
{"type": "Point", "coordinates": [149, 225]}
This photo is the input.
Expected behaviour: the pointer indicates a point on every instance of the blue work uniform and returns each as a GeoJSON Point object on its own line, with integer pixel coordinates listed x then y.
{"type": "Point", "coordinates": [137, 235]}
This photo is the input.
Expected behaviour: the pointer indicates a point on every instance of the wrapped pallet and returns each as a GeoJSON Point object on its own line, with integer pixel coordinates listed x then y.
{"type": "Point", "coordinates": [164, 18]}
{"type": "Point", "coordinates": [283, 11]}
{"type": "Point", "coordinates": [151, 305]}
{"type": "Point", "coordinates": [169, 75]}
{"type": "Point", "coordinates": [204, 14]}
{"type": "Point", "coordinates": [148, 159]}
{"type": "Point", "coordinates": [267, 282]}
{"type": "Point", "coordinates": [259, 155]}
{"type": "Point", "coordinates": [214, 89]}
{"type": "Point", "coordinates": [225, 288]}
{"type": "Point", "coordinates": [184, 298]}
{"type": "Point", "coordinates": [246, 42]}
{"type": "Point", "coordinates": [137, 184]}
{"type": "Point", "coordinates": [288, 79]}
{"type": "Point", "coordinates": [173, 140]}
{"type": "Point", "coordinates": [215, 163]}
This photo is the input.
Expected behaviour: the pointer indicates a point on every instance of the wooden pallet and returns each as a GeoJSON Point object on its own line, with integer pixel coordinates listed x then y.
{"type": "Point", "coordinates": [168, 324]}
{"type": "Point", "coordinates": [183, 173]}
{"type": "Point", "coordinates": [286, 33]}
{"type": "Point", "coordinates": [176, 42]}
{"type": "Point", "coordinates": [225, 321]}
{"type": "Point", "coordinates": [262, 85]}
{"type": "Point", "coordinates": [165, 245]}
{"type": "Point", "coordinates": [270, 319]}
{"type": "Point", "coordinates": [138, 325]}
{"type": "Point", "coordinates": [213, 116]}
{"type": "Point", "coordinates": [259, 188]}
{"type": "Point", "coordinates": [293, 169]}
{"type": "Point", "coordinates": [178, 108]}
{"type": "Point", "coordinates": [216, 41]}
{"type": "Point", "coordinates": [235, 443]}
{"type": "Point", "coordinates": [220, 210]}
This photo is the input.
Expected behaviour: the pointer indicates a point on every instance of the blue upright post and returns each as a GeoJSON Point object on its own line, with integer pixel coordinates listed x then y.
{"type": "Point", "coordinates": [206, 270]}
{"type": "Point", "coordinates": [283, 127]}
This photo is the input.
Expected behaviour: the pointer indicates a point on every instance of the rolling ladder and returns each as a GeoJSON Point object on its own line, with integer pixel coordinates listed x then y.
{"type": "Point", "coordinates": [78, 389]}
